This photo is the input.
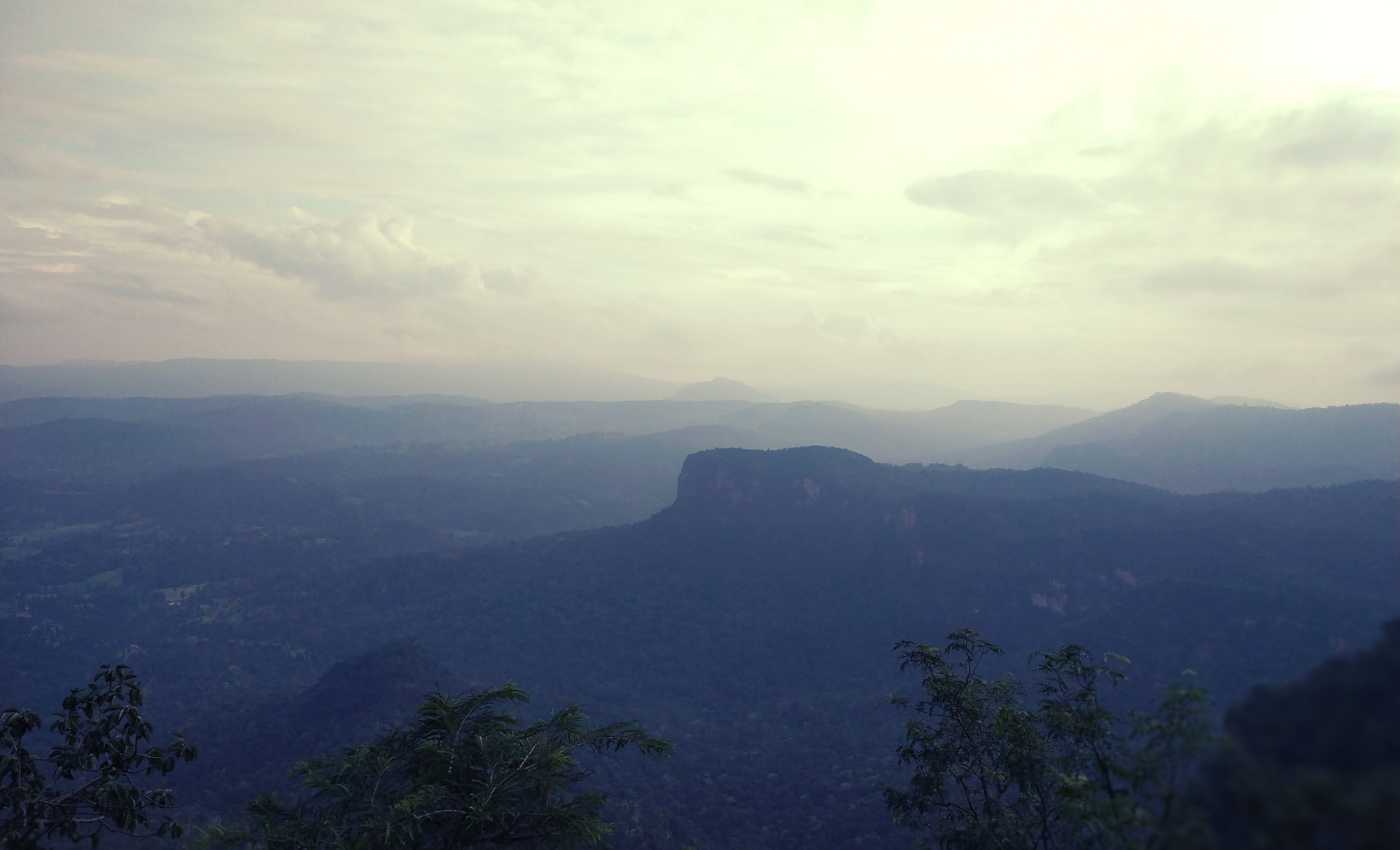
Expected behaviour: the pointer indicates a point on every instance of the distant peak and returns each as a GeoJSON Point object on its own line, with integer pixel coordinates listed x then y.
{"type": "Point", "coordinates": [719, 389]}
{"type": "Point", "coordinates": [1181, 401]}
{"type": "Point", "coordinates": [1246, 401]}
{"type": "Point", "coordinates": [1162, 399]}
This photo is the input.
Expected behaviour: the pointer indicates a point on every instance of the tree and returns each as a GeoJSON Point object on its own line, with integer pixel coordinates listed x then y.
{"type": "Point", "coordinates": [992, 770]}
{"type": "Point", "coordinates": [90, 782]}
{"type": "Point", "coordinates": [465, 773]}
{"type": "Point", "coordinates": [1314, 762]}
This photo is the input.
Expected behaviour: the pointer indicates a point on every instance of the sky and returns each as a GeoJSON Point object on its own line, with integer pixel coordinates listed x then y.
{"type": "Point", "coordinates": [892, 203]}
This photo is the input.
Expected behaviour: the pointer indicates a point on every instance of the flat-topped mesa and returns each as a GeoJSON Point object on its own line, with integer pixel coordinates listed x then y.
{"type": "Point", "coordinates": [818, 481]}
{"type": "Point", "coordinates": [724, 479]}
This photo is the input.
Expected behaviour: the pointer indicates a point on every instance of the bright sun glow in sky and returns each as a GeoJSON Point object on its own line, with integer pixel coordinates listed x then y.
{"type": "Point", "coordinates": [891, 202]}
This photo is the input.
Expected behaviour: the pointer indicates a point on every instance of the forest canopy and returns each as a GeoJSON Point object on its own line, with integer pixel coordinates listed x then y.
{"type": "Point", "coordinates": [991, 761]}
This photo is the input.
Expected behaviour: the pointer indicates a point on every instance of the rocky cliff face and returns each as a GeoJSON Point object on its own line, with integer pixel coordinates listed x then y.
{"type": "Point", "coordinates": [728, 479]}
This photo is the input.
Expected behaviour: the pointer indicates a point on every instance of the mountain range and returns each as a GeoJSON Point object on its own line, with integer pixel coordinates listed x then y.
{"type": "Point", "coordinates": [1176, 442]}
{"type": "Point", "coordinates": [749, 621]}
{"type": "Point", "coordinates": [1191, 445]}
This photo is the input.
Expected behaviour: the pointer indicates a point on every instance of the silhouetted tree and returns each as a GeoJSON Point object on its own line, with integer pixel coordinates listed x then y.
{"type": "Point", "coordinates": [991, 769]}
{"type": "Point", "coordinates": [466, 773]}
{"type": "Point", "coordinates": [89, 783]}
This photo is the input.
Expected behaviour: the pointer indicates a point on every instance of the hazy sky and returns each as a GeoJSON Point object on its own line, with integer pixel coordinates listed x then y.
{"type": "Point", "coordinates": [1087, 201]}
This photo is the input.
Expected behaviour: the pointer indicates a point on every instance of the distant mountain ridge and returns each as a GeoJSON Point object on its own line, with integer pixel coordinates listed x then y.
{"type": "Point", "coordinates": [1173, 441]}
{"type": "Point", "coordinates": [230, 428]}
{"type": "Point", "coordinates": [1193, 445]}
{"type": "Point", "coordinates": [195, 377]}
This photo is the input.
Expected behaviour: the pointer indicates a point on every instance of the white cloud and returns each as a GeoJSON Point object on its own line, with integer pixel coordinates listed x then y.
{"type": "Point", "coordinates": [765, 180]}
{"type": "Point", "coordinates": [998, 194]}
{"type": "Point", "coordinates": [361, 257]}
{"type": "Point", "coordinates": [508, 281]}
{"type": "Point", "coordinates": [1338, 133]}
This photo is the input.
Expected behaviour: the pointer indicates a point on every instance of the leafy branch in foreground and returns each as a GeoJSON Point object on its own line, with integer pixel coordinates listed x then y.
{"type": "Point", "coordinates": [89, 783]}
{"type": "Point", "coordinates": [991, 769]}
{"type": "Point", "coordinates": [465, 773]}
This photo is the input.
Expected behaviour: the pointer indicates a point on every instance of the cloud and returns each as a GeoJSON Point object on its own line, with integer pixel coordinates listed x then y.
{"type": "Point", "coordinates": [1207, 276]}
{"type": "Point", "coordinates": [120, 208]}
{"type": "Point", "coordinates": [758, 275]}
{"type": "Point", "coordinates": [1340, 132]}
{"type": "Point", "coordinates": [846, 326]}
{"type": "Point", "coordinates": [56, 268]}
{"type": "Point", "coordinates": [10, 169]}
{"type": "Point", "coordinates": [507, 281]}
{"type": "Point", "coordinates": [764, 180]}
{"type": "Point", "coordinates": [788, 235]}
{"type": "Point", "coordinates": [1000, 194]}
{"type": "Point", "coordinates": [131, 287]}
{"type": "Point", "coordinates": [32, 247]}
{"type": "Point", "coordinates": [364, 257]}
{"type": "Point", "coordinates": [1388, 377]}
{"type": "Point", "coordinates": [9, 312]}
{"type": "Point", "coordinates": [1372, 273]}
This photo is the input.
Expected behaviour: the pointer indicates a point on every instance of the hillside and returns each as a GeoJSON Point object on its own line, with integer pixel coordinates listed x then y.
{"type": "Point", "coordinates": [751, 620]}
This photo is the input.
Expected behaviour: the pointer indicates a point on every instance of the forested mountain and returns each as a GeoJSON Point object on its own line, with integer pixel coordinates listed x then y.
{"type": "Point", "coordinates": [749, 622]}
{"type": "Point", "coordinates": [1191, 445]}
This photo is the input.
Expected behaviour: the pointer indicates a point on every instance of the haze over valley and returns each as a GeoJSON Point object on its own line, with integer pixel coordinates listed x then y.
{"type": "Point", "coordinates": [677, 426]}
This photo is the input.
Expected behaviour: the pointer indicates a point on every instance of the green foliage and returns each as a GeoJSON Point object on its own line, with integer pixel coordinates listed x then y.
{"type": "Point", "coordinates": [466, 773]}
{"type": "Point", "coordinates": [993, 770]}
{"type": "Point", "coordinates": [1315, 762]}
{"type": "Point", "coordinates": [89, 783]}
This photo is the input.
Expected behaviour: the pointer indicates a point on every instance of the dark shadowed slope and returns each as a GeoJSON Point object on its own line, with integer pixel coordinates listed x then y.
{"type": "Point", "coordinates": [351, 702]}
{"type": "Point", "coordinates": [1315, 762]}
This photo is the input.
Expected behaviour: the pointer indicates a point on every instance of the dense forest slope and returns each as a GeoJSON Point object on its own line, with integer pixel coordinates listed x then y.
{"type": "Point", "coordinates": [1315, 760]}
{"type": "Point", "coordinates": [750, 622]}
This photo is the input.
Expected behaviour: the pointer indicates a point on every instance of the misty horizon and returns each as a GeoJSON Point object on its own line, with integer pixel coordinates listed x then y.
{"type": "Point", "coordinates": [541, 380]}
